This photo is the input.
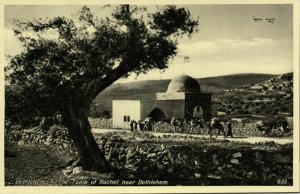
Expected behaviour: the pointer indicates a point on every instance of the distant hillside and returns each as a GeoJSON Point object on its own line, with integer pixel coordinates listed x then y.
{"type": "Point", "coordinates": [270, 97]}
{"type": "Point", "coordinates": [147, 89]}
{"type": "Point", "coordinates": [212, 84]}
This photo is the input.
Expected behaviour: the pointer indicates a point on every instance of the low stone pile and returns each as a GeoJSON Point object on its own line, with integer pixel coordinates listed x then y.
{"type": "Point", "coordinates": [246, 129]}
{"type": "Point", "coordinates": [56, 135]}
{"type": "Point", "coordinates": [101, 123]}
{"type": "Point", "coordinates": [163, 127]}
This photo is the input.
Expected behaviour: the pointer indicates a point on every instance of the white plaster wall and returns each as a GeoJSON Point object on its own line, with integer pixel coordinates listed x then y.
{"type": "Point", "coordinates": [121, 108]}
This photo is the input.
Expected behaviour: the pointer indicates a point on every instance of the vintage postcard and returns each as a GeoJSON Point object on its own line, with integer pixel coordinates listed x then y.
{"type": "Point", "coordinates": [149, 97]}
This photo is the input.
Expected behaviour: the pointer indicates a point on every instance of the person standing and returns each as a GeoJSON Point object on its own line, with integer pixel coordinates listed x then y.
{"type": "Point", "coordinates": [141, 126]}
{"type": "Point", "coordinates": [200, 126]}
{"type": "Point", "coordinates": [132, 125]}
{"type": "Point", "coordinates": [229, 129]}
{"type": "Point", "coordinates": [173, 123]}
{"type": "Point", "coordinates": [180, 125]}
{"type": "Point", "coordinates": [135, 126]}
{"type": "Point", "coordinates": [193, 126]}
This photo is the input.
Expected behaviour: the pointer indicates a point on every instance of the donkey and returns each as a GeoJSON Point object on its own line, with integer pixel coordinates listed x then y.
{"type": "Point", "coordinates": [177, 123]}
{"type": "Point", "coordinates": [216, 124]}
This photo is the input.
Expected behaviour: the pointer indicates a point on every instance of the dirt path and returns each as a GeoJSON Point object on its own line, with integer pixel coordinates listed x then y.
{"type": "Point", "coordinates": [33, 164]}
{"type": "Point", "coordinates": [278, 140]}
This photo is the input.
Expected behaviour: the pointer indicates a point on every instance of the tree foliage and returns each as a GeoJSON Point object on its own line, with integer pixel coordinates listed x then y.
{"type": "Point", "coordinates": [75, 59]}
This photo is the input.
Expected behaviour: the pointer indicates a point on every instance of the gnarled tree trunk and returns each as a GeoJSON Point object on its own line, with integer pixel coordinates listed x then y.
{"type": "Point", "coordinates": [90, 156]}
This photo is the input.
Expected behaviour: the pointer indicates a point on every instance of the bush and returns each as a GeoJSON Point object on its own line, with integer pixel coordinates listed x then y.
{"type": "Point", "coordinates": [96, 113]}
{"type": "Point", "coordinates": [18, 109]}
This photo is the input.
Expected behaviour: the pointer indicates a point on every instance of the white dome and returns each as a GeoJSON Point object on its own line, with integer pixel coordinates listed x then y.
{"type": "Point", "coordinates": [184, 83]}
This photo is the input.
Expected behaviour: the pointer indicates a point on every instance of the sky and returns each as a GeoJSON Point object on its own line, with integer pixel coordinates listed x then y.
{"type": "Point", "coordinates": [229, 39]}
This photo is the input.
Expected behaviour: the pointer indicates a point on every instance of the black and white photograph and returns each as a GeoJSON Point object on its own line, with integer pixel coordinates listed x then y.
{"type": "Point", "coordinates": [133, 96]}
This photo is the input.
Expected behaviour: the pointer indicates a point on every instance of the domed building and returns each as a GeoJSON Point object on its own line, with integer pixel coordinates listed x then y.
{"type": "Point", "coordinates": [182, 99]}
{"type": "Point", "coordinates": [183, 83]}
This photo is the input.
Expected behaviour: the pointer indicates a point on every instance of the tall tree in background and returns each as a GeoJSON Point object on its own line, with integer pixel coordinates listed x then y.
{"type": "Point", "coordinates": [67, 62]}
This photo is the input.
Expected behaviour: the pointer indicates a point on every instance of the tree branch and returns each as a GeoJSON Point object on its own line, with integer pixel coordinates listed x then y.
{"type": "Point", "coordinates": [99, 85]}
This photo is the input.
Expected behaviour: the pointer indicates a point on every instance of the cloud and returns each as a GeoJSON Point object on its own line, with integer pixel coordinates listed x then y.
{"type": "Point", "coordinates": [12, 46]}
{"type": "Point", "coordinates": [228, 56]}
{"type": "Point", "coordinates": [210, 58]}
{"type": "Point", "coordinates": [234, 48]}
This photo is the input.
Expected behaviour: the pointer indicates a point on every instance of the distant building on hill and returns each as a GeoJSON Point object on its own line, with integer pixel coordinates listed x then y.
{"type": "Point", "coordinates": [183, 99]}
{"type": "Point", "coordinates": [256, 87]}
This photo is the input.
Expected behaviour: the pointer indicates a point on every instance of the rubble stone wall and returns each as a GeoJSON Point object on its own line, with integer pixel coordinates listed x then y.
{"type": "Point", "coordinates": [201, 163]}
{"type": "Point", "coordinates": [188, 161]}
{"type": "Point", "coordinates": [101, 123]}
{"type": "Point", "coordinates": [238, 128]}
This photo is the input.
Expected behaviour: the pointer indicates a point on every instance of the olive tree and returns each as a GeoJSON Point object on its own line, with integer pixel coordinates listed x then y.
{"type": "Point", "coordinates": [67, 62]}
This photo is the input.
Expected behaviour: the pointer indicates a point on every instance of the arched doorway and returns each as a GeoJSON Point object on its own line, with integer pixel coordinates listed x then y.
{"type": "Point", "coordinates": [157, 114]}
{"type": "Point", "coordinates": [198, 112]}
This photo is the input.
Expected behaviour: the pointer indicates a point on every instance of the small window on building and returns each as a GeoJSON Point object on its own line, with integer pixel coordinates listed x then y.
{"type": "Point", "coordinates": [126, 118]}
{"type": "Point", "coordinates": [198, 112]}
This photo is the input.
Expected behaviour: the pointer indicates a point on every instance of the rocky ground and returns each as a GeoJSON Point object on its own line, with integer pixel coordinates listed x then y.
{"type": "Point", "coordinates": [42, 159]}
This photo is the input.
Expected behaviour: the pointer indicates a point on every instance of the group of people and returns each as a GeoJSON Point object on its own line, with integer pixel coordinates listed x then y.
{"type": "Point", "coordinates": [141, 126]}
{"type": "Point", "coordinates": [195, 125]}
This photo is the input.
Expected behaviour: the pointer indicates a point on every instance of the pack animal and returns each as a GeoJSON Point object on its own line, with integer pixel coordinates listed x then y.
{"type": "Point", "coordinates": [177, 123]}
{"type": "Point", "coordinates": [216, 124]}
